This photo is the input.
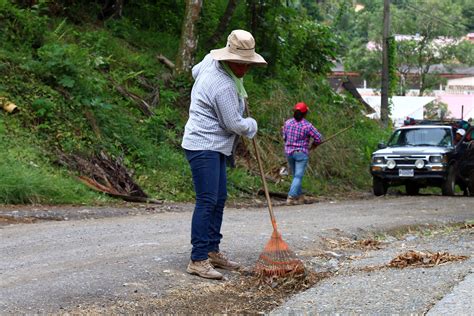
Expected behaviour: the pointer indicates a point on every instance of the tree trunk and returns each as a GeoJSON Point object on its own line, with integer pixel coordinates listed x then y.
{"type": "Point", "coordinates": [423, 80]}
{"type": "Point", "coordinates": [111, 10]}
{"type": "Point", "coordinates": [188, 42]}
{"type": "Point", "coordinates": [384, 106]}
{"type": "Point", "coordinates": [223, 24]}
{"type": "Point", "coordinates": [253, 8]}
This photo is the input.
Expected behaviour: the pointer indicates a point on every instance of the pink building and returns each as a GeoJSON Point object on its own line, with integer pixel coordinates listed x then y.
{"type": "Point", "coordinates": [459, 105]}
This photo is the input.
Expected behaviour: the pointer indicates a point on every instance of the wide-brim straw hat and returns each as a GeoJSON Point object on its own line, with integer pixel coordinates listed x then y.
{"type": "Point", "coordinates": [240, 48]}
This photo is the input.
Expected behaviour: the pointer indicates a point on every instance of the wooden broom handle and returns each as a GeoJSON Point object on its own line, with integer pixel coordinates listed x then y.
{"type": "Point", "coordinates": [332, 136]}
{"type": "Point", "coordinates": [262, 175]}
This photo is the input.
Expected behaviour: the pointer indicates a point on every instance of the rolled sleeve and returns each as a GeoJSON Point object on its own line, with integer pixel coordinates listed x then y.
{"type": "Point", "coordinates": [316, 135]}
{"type": "Point", "coordinates": [229, 117]}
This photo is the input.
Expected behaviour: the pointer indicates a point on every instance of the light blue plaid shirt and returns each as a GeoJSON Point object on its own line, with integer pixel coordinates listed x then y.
{"type": "Point", "coordinates": [215, 114]}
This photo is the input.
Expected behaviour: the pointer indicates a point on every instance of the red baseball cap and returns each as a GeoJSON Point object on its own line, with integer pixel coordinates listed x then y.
{"type": "Point", "coordinates": [301, 106]}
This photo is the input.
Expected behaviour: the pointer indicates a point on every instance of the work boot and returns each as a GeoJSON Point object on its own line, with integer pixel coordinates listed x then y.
{"type": "Point", "coordinates": [204, 269]}
{"type": "Point", "coordinates": [291, 200]}
{"type": "Point", "coordinates": [219, 260]}
{"type": "Point", "coordinates": [301, 199]}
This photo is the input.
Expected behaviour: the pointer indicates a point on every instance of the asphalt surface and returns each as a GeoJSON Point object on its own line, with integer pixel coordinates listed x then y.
{"type": "Point", "coordinates": [362, 289]}
{"type": "Point", "coordinates": [56, 266]}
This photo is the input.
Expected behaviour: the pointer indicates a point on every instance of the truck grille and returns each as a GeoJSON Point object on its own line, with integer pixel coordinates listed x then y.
{"type": "Point", "coordinates": [406, 160]}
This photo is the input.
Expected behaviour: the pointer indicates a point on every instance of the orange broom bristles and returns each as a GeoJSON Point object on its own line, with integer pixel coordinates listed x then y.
{"type": "Point", "coordinates": [277, 259]}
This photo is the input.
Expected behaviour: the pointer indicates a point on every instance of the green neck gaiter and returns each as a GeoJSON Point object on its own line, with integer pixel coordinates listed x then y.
{"type": "Point", "coordinates": [239, 82]}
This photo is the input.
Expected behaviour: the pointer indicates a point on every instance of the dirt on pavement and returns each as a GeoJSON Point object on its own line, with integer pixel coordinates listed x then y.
{"type": "Point", "coordinates": [246, 293]}
{"type": "Point", "coordinates": [132, 259]}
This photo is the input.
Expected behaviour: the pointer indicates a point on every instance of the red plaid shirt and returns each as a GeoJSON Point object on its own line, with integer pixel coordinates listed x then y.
{"type": "Point", "coordinates": [297, 135]}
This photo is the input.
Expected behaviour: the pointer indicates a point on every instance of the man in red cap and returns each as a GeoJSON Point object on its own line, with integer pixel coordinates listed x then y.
{"type": "Point", "coordinates": [297, 133]}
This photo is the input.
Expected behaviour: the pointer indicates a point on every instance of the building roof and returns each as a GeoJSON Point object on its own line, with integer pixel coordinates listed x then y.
{"type": "Point", "coordinates": [452, 69]}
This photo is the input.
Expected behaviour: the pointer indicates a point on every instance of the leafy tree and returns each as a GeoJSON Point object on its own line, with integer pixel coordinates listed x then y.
{"type": "Point", "coordinates": [434, 29]}
{"type": "Point", "coordinates": [468, 14]}
{"type": "Point", "coordinates": [436, 110]}
{"type": "Point", "coordinates": [289, 38]}
{"type": "Point", "coordinates": [429, 24]}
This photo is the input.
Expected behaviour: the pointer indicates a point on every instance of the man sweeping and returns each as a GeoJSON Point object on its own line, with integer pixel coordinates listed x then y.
{"type": "Point", "coordinates": [215, 122]}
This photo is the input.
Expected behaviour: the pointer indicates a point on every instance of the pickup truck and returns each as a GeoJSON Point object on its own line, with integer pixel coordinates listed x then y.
{"type": "Point", "coordinates": [425, 155]}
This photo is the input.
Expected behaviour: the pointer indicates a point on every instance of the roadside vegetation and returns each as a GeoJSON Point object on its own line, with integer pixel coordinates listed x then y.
{"type": "Point", "coordinates": [79, 79]}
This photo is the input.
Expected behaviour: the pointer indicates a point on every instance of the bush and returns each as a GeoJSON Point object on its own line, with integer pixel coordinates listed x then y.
{"type": "Point", "coordinates": [20, 27]}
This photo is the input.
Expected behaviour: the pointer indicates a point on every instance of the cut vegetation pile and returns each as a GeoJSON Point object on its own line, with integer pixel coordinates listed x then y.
{"type": "Point", "coordinates": [415, 258]}
{"type": "Point", "coordinates": [242, 295]}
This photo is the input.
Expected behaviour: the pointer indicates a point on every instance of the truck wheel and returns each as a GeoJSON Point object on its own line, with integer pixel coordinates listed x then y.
{"type": "Point", "coordinates": [412, 188]}
{"type": "Point", "coordinates": [379, 186]}
{"type": "Point", "coordinates": [471, 183]}
{"type": "Point", "coordinates": [449, 184]}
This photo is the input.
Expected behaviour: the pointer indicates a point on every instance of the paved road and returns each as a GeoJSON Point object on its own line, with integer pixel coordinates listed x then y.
{"type": "Point", "coordinates": [51, 266]}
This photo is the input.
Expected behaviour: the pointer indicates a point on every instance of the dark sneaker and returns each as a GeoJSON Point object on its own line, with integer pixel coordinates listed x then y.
{"type": "Point", "coordinates": [204, 269]}
{"type": "Point", "coordinates": [219, 260]}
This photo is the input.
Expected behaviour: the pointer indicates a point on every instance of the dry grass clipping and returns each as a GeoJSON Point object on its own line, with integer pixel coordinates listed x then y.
{"type": "Point", "coordinates": [423, 259]}
{"type": "Point", "coordinates": [347, 243]}
{"type": "Point", "coordinates": [249, 294]}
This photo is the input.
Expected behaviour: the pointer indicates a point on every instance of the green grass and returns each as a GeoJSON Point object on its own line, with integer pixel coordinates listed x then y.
{"type": "Point", "coordinates": [28, 178]}
{"type": "Point", "coordinates": [31, 184]}
{"type": "Point", "coordinates": [56, 71]}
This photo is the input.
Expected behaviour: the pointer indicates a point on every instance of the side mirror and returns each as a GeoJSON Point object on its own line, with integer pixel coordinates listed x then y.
{"type": "Point", "coordinates": [381, 146]}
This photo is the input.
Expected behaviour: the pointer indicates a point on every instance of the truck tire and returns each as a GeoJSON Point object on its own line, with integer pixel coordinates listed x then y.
{"type": "Point", "coordinates": [379, 186]}
{"type": "Point", "coordinates": [449, 184]}
{"type": "Point", "coordinates": [412, 188]}
{"type": "Point", "coordinates": [471, 183]}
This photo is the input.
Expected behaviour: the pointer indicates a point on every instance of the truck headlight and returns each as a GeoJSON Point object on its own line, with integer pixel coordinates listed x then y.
{"type": "Point", "coordinates": [378, 160]}
{"type": "Point", "coordinates": [391, 164]}
{"type": "Point", "coordinates": [419, 163]}
{"type": "Point", "coordinates": [439, 159]}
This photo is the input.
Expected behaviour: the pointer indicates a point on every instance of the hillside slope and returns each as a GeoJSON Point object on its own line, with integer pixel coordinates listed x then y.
{"type": "Point", "coordinates": [94, 89]}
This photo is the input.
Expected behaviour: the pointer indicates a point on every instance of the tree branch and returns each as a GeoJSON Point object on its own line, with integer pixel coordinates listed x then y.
{"type": "Point", "coordinates": [165, 61]}
{"type": "Point", "coordinates": [223, 23]}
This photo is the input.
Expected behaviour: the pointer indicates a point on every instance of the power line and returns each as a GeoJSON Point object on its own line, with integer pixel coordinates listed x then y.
{"type": "Point", "coordinates": [435, 17]}
{"type": "Point", "coordinates": [401, 16]}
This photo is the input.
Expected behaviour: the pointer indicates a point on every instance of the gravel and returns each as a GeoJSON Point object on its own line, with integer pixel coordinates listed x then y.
{"type": "Point", "coordinates": [55, 266]}
{"type": "Point", "coordinates": [383, 290]}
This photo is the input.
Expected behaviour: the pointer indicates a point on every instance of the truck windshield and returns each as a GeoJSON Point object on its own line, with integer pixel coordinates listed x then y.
{"type": "Point", "coordinates": [421, 137]}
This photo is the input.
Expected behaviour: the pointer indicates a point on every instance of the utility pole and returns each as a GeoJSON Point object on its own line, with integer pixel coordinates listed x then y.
{"type": "Point", "coordinates": [385, 76]}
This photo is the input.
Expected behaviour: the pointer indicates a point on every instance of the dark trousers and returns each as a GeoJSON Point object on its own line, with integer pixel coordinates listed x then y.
{"type": "Point", "coordinates": [210, 184]}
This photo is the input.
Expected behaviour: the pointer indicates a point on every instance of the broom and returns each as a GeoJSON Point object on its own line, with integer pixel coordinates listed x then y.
{"type": "Point", "coordinates": [334, 135]}
{"type": "Point", "coordinates": [276, 259]}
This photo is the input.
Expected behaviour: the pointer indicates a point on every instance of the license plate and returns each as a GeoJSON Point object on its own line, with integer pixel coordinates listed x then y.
{"type": "Point", "coordinates": [406, 172]}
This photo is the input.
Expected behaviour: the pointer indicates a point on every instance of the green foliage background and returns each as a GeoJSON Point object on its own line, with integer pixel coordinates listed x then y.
{"type": "Point", "coordinates": [61, 66]}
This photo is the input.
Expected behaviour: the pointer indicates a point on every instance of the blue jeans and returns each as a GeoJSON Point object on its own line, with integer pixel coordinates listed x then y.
{"type": "Point", "coordinates": [297, 162]}
{"type": "Point", "coordinates": [210, 184]}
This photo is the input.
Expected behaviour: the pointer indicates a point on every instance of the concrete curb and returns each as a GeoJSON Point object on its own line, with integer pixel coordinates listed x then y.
{"type": "Point", "coordinates": [459, 302]}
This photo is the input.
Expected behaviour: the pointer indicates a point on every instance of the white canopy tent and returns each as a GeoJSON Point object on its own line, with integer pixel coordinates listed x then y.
{"type": "Point", "coordinates": [401, 107]}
